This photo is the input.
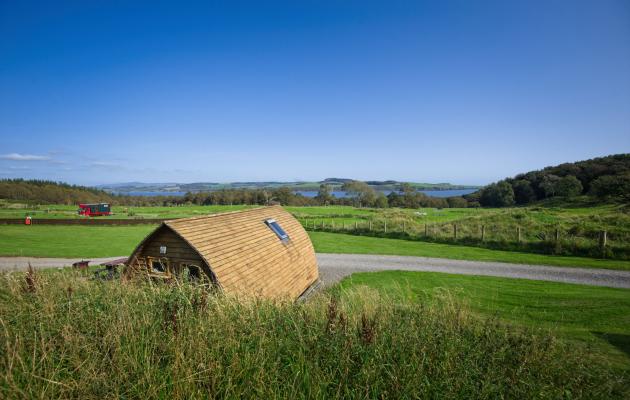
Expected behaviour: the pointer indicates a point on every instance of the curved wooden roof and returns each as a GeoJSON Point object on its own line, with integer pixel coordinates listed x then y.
{"type": "Point", "coordinates": [247, 257]}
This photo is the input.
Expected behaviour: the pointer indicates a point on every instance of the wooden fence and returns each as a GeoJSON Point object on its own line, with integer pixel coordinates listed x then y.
{"type": "Point", "coordinates": [554, 239]}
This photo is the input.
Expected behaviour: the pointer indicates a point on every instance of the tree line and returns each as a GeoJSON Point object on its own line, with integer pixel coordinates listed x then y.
{"type": "Point", "coordinates": [360, 194]}
{"type": "Point", "coordinates": [603, 178]}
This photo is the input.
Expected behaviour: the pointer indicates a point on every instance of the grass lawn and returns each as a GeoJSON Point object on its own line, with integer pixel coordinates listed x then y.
{"type": "Point", "coordinates": [326, 242]}
{"type": "Point", "coordinates": [597, 317]}
{"type": "Point", "coordinates": [106, 241]}
{"type": "Point", "coordinates": [578, 224]}
{"type": "Point", "coordinates": [70, 241]}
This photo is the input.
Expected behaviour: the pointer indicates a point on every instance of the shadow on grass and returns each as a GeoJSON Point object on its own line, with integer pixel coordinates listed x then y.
{"type": "Point", "coordinates": [619, 340]}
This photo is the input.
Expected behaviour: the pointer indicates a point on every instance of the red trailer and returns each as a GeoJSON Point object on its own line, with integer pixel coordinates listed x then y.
{"type": "Point", "coordinates": [95, 210]}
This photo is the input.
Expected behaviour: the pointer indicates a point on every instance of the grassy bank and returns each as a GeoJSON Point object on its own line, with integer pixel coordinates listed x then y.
{"type": "Point", "coordinates": [595, 317]}
{"type": "Point", "coordinates": [326, 242]}
{"type": "Point", "coordinates": [69, 337]}
{"type": "Point", "coordinates": [541, 230]}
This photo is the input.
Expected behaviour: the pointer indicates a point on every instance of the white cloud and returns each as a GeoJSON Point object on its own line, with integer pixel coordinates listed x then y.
{"type": "Point", "coordinates": [24, 157]}
{"type": "Point", "coordinates": [104, 164]}
{"type": "Point", "coordinates": [107, 165]}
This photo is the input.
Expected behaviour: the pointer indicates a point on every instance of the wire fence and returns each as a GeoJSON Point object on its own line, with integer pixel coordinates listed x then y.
{"type": "Point", "coordinates": [547, 239]}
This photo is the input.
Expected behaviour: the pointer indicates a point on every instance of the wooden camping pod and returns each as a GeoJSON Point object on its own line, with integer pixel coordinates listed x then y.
{"type": "Point", "coordinates": [241, 252]}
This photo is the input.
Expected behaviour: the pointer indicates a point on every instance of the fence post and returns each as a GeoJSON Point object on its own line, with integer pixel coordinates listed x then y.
{"type": "Point", "coordinates": [385, 226]}
{"type": "Point", "coordinates": [356, 225]}
{"type": "Point", "coordinates": [602, 243]}
{"type": "Point", "coordinates": [323, 224]}
{"type": "Point", "coordinates": [404, 226]}
{"type": "Point", "coordinates": [518, 234]}
{"type": "Point", "coordinates": [557, 235]}
{"type": "Point", "coordinates": [483, 232]}
{"type": "Point", "coordinates": [370, 225]}
{"type": "Point", "coordinates": [455, 231]}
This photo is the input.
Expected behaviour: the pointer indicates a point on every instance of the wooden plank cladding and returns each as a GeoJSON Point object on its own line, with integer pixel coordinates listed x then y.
{"type": "Point", "coordinates": [239, 250]}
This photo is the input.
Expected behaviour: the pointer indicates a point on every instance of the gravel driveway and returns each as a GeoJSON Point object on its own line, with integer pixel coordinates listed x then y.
{"type": "Point", "coordinates": [334, 267]}
{"type": "Point", "coordinates": [21, 263]}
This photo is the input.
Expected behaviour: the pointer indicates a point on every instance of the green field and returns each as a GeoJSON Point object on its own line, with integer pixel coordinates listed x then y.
{"type": "Point", "coordinates": [568, 229]}
{"type": "Point", "coordinates": [107, 241]}
{"type": "Point", "coordinates": [65, 336]}
{"type": "Point", "coordinates": [338, 213]}
{"type": "Point", "coordinates": [71, 240]}
{"type": "Point", "coordinates": [20, 210]}
{"type": "Point", "coordinates": [596, 317]}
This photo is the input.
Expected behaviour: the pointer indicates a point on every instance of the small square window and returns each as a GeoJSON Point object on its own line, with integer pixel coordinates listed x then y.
{"type": "Point", "coordinates": [275, 227]}
{"type": "Point", "coordinates": [191, 273]}
{"type": "Point", "coordinates": [157, 266]}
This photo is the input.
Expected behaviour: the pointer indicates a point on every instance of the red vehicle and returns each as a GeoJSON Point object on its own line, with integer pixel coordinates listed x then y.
{"type": "Point", "coordinates": [95, 210]}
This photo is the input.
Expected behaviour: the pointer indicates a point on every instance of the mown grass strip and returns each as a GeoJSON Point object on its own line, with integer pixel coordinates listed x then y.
{"type": "Point", "coordinates": [326, 242]}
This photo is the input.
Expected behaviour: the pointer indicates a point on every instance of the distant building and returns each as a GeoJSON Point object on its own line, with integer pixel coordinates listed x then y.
{"type": "Point", "coordinates": [261, 252]}
{"type": "Point", "coordinates": [94, 210]}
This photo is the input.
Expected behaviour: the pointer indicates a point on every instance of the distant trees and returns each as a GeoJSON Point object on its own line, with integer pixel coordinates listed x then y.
{"type": "Point", "coordinates": [549, 185]}
{"type": "Point", "coordinates": [381, 201]}
{"type": "Point", "coordinates": [569, 186]}
{"type": "Point", "coordinates": [456, 202]}
{"type": "Point", "coordinates": [612, 186]}
{"type": "Point", "coordinates": [283, 195]}
{"type": "Point", "coordinates": [51, 192]}
{"type": "Point", "coordinates": [362, 194]}
{"type": "Point", "coordinates": [498, 194]}
{"type": "Point", "coordinates": [324, 196]}
{"type": "Point", "coordinates": [523, 192]}
{"type": "Point", "coordinates": [603, 177]}
{"type": "Point", "coordinates": [408, 197]}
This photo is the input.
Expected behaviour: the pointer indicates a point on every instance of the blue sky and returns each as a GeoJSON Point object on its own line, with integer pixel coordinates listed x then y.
{"type": "Point", "coordinates": [457, 91]}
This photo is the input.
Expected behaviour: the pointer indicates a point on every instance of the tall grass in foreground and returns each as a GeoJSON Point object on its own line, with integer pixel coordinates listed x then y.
{"type": "Point", "coordinates": [63, 335]}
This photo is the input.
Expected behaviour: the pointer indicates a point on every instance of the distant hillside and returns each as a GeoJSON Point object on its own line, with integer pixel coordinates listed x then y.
{"type": "Point", "coordinates": [49, 192]}
{"type": "Point", "coordinates": [334, 183]}
{"type": "Point", "coordinates": [605, 178]}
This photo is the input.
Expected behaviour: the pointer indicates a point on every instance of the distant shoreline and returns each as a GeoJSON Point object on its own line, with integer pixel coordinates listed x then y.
{"type": "Point", "coordinates": [334, 184]}
{"type": "Point", "coordinates": [306, 193]}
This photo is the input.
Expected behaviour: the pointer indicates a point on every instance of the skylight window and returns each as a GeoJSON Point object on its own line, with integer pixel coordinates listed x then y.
{"type": "Point", "coordinates": [275, 227]}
